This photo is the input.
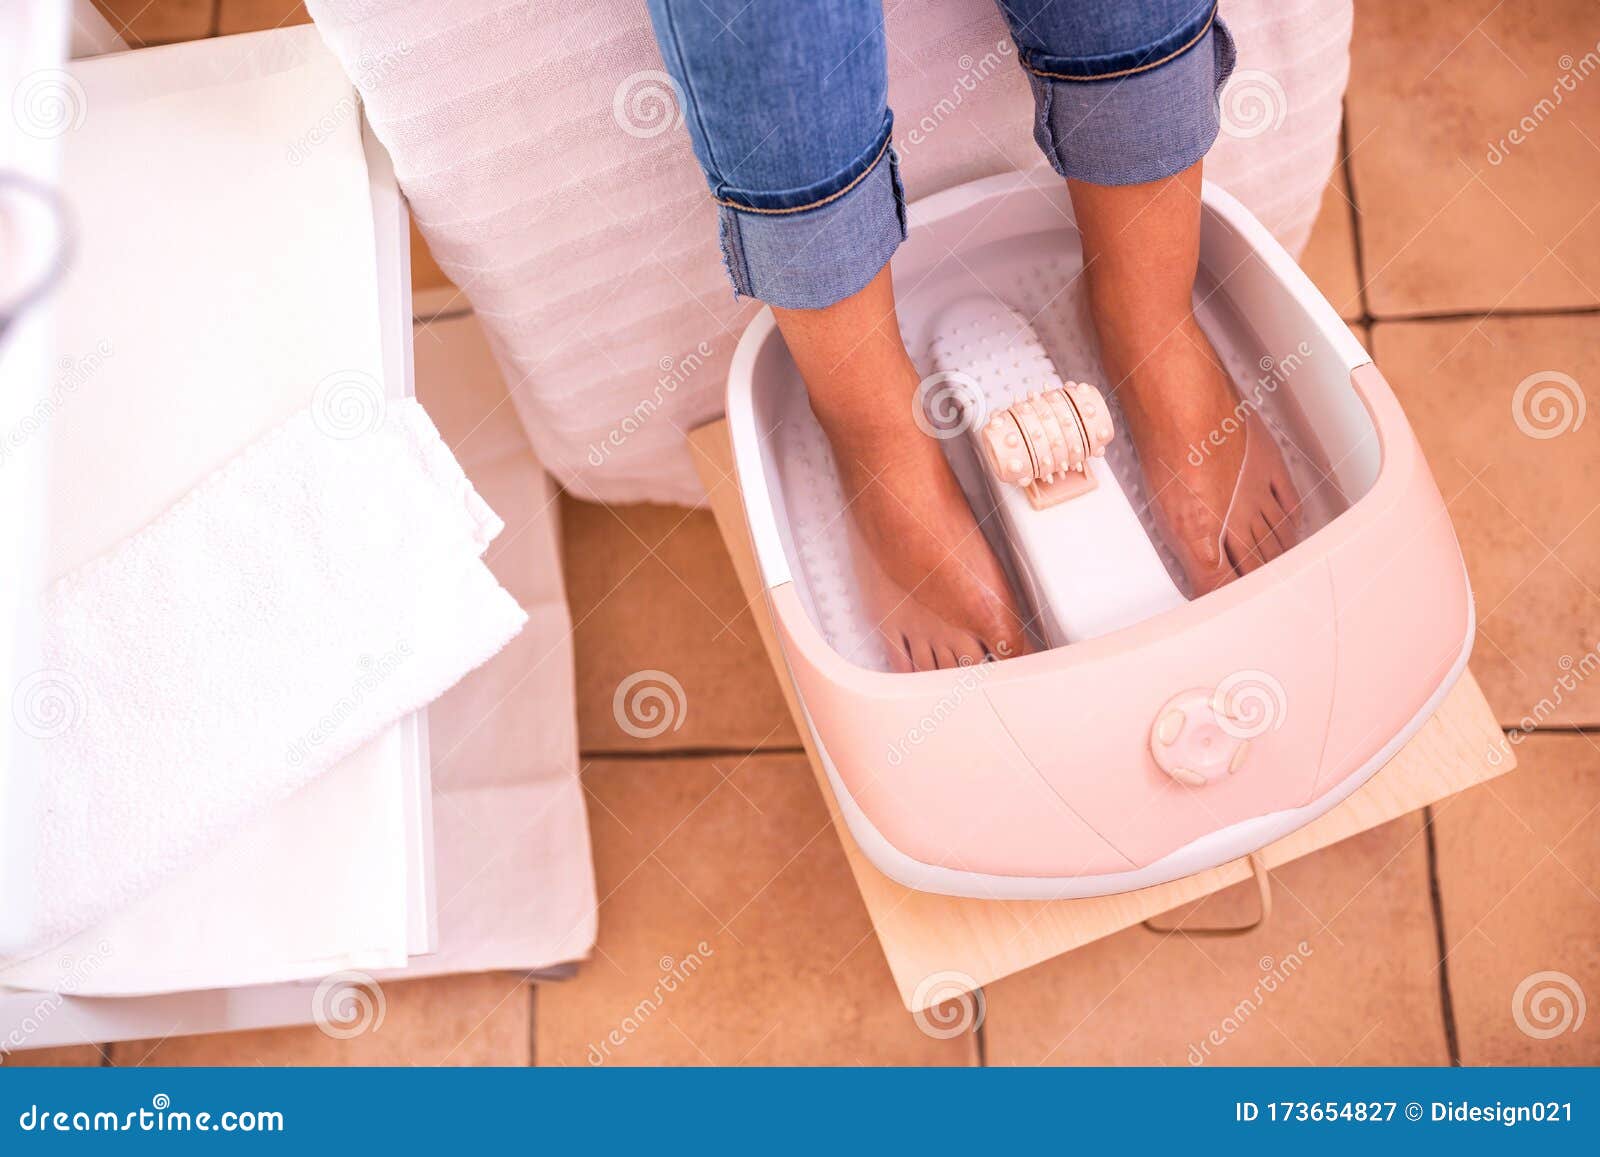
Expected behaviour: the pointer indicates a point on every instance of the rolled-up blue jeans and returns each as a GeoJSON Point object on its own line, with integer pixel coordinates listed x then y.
{"type": "Point", "coordinates": [786, 102]}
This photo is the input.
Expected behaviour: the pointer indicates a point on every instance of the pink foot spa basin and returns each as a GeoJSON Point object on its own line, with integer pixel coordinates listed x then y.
{"type": "Point", "coordinates": [1148, 732]}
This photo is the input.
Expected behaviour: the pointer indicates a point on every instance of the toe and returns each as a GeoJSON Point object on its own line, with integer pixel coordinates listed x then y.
{"type": "Point", "coordinates": [954, 647]}
{"type": "Point", "coordinates": [1269, 542]}
{"type": "Point", "coordinates": [1198, 538]}
{"type": "Point", "coordinates": [1281, 524]}
{"type": "Point", "coordinates": [1288, 499]}
{"type": "Point", "coordinates": [899, 654]}
{"type": "Point", "coordinates": [1267, 547]}
{"type": "Point", "coordinates": [970, 651]}
{"type": "Point", "coordinates": [1003, 640]}
{"type": "Point", "coordinates": [1211, 559]}
{"type": "Point", "coordinates": [1240, 548]}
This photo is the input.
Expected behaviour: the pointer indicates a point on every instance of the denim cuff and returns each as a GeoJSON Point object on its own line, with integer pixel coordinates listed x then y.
{"type": "Point", "coordinates": [1130, 117]}
{"type": "Point", "coordinates": [809, 248]}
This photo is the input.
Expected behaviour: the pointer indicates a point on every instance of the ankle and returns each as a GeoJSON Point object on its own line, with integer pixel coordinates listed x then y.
{"type": "Point", "coordinates": [1130, 305]}
{"type": "Point", "coordinates": [1128, 320]}
{"type": "Point", "coordinates": [878, 410]}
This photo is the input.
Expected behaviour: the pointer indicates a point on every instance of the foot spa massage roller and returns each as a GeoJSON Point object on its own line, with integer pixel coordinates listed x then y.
{"type": "Point", "coordinates": [1150, 732]}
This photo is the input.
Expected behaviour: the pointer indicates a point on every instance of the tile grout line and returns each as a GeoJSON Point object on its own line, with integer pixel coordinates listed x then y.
{"type": "Point", "coordinates": [1480, 314]}
{"type": "Point", "coordinates": [670, 753]}
{"type": "Point", "coordinates": [1557, 729]}
{"type": "Point", "coordinates": [1369, 318]}
{"type": "Point", "coordinates": [1447, 1006]}
{"type": "Point", "coordinates": [1355, 215]}
{"type": "Point", "coordinates": [980, 1032]}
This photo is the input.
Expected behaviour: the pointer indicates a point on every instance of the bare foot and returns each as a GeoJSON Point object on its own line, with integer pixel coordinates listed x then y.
{"type": "Point", "coordinates": [935, 590]}
{"type": "Point", "coordinates": [1218, 484]}
{"type": "Point", "coordinates": [1220, 490]}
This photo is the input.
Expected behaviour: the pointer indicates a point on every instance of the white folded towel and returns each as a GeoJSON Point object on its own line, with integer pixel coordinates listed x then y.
{"type": "Point", "coordinates": [318, 587]}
